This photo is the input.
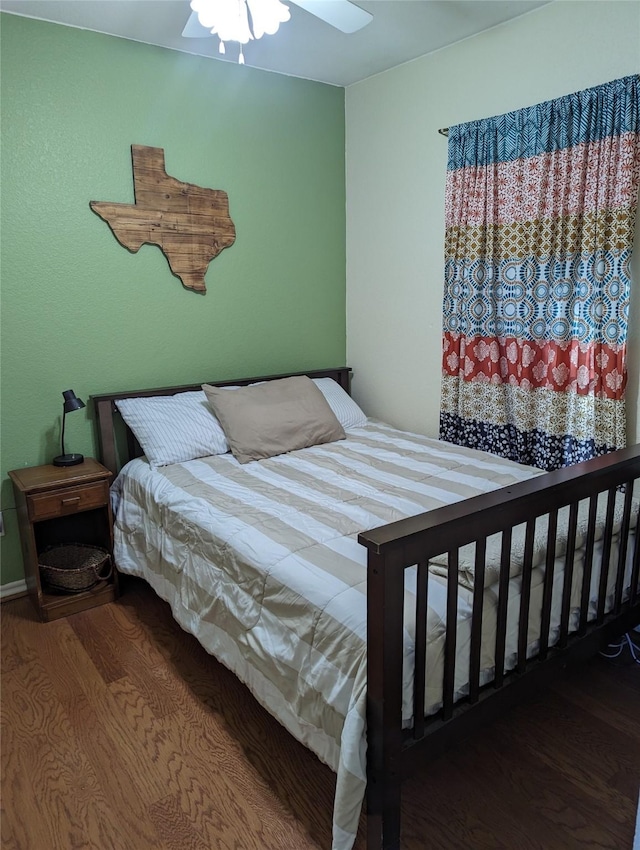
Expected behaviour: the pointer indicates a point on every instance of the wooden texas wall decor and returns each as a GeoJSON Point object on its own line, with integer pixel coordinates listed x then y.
{"type": "Point", "coordinates": [189, 224]}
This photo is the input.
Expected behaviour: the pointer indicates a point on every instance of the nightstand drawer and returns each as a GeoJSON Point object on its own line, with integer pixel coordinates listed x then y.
{"type": "Point", "coordinates": [68, 501]}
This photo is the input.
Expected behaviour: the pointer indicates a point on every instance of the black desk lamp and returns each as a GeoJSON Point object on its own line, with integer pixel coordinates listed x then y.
{"type": "Point", "coordinates": [70, 403]}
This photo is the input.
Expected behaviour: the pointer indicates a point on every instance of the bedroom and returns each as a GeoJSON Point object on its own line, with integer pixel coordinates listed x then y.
{"type": "Point", "coordinates": [80, 311]}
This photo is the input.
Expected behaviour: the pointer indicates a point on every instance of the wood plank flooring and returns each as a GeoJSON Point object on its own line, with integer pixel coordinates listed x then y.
{"type": "Point", "coordinates": [120, 733]}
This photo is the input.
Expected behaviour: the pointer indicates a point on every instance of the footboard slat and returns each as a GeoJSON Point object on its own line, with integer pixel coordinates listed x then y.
{"type": "Point", "coordinates": [503, 602]}
{"type": "Point", "coordinates": [422, 608]}
{"type": "Point", "coordinates": [623, 546]}
{"type": "Point", "coordinates": [450, 635]}
{"type": "Point", "coordinates": [476, 620]}
{"type": "Point", "coordinates": [606, 555]}
{"type": "Point", "coordinates": [547, 594]}
{"type": "Point", "coordinates": [588, 565]}
{"type": "Point", "coordinates": [635, 574]}
{"type": "Point", "coordinates": [567, 584]}
{"type": "Point", "coordinates": [525, 596]}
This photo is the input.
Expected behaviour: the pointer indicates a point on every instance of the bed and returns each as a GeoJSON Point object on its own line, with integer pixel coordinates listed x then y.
{"type": "Point", "coordinates": [383, 594]}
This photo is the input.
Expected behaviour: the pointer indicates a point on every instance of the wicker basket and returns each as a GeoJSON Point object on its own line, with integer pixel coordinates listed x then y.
{"type": "Point", "coordinates": [74, 567]}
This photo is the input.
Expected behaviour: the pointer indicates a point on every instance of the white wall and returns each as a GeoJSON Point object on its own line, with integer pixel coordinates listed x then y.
{"type": "Point", "coordinates": [396, 164]}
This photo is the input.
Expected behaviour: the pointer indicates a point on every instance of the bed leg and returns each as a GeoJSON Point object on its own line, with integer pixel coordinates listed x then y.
{"type": "Point", "coordinates": [383, 813]}
{"type": "Point", "coordinates": [385, 602]}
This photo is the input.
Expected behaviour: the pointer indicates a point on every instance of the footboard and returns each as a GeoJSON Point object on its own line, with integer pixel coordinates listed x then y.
{"type": "Point", "coordinates": [590, 546]}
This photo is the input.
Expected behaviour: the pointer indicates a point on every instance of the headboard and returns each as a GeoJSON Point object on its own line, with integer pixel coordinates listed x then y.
{"type": "Point", "coordinates": [107, 413]}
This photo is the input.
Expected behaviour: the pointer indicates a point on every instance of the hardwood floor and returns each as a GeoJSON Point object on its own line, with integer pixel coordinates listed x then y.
{"type": "Point", "coordinates": [120, 733]}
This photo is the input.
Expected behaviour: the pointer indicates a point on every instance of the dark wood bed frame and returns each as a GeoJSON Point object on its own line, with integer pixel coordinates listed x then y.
{"type": "Point", "coordinates": [392, 752]}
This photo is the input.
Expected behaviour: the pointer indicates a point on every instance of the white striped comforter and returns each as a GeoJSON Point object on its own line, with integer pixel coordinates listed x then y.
{"type": "Point", "coordinates": [260, 561]}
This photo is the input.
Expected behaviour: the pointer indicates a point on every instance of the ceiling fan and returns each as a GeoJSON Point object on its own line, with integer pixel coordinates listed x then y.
{"type": "Point", "coordinates": [341, 14]}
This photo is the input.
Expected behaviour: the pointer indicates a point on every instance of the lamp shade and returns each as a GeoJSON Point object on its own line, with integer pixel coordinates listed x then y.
{"type": "Point", "coordinates": [71, 402]}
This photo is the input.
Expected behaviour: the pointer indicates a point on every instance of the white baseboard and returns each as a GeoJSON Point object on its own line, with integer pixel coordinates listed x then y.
{"type": "Point", "coordinates": [13, 588]}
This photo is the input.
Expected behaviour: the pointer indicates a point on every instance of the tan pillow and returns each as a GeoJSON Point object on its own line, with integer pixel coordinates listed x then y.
{"type": "Point", "coordinates": [275, 417]}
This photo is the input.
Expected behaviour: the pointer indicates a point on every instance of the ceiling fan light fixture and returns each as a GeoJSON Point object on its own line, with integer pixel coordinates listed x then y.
{"type": "Point", "coordinates": [229, 19]}
{"type": "Point", "coordinates": [267, 15]}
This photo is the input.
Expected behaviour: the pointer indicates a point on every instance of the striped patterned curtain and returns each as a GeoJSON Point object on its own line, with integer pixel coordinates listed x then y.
{"type": "Point", "coordinates": [540, 212]}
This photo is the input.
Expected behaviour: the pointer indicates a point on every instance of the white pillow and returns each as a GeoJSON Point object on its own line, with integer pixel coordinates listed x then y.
{"type": "Point", "coordinates": [345, 409]}
{"type": "Point", "coordinates": [174, 428]}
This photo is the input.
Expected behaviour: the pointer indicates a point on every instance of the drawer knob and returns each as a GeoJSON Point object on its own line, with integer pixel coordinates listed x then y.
{"type": "Point", "coordinates": [71, 500]}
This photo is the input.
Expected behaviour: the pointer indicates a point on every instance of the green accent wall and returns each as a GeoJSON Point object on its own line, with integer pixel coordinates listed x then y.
{"type": "Point", "coordinates": [80, 311]}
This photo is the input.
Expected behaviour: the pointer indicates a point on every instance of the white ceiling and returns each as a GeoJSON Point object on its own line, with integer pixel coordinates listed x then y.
{"type": "Point", "coordinates": [305, 46]}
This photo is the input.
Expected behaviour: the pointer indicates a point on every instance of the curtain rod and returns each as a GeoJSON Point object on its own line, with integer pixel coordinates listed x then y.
{"type": "Point", "coordinates": [444, 131]}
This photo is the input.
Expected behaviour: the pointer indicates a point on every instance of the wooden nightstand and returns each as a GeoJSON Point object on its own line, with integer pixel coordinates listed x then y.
{"type": "Point", "coordinates": [59, 505]}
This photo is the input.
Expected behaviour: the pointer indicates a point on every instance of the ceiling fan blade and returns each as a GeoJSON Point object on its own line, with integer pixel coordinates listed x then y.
{"type": "Point", "coordinates": [194, 29]}
{"type": "Point", "coordinates": [341, 14]}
